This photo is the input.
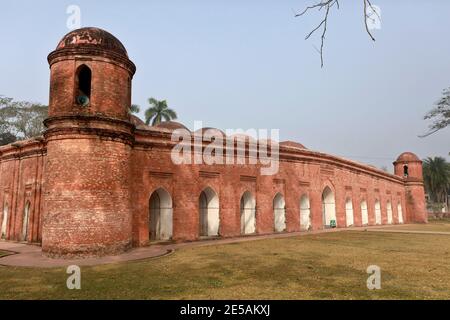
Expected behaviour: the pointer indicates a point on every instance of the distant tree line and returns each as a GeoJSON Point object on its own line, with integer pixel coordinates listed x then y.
{"type": "Point", "coordinates": [20, 120]}
{"type": "Point", "coordinates": [436, 176]}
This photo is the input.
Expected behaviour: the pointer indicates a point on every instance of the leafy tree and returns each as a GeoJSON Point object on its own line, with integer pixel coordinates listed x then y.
{"type": "Point", "coordinates": [7, 138]}
{"type": "Point", "coordinates": [158, 111]}
{"type": "Point", "coordinates": [436, 175]}
{"type": "Point", "coordinates": [440, 114]}
{"type": "Point", "coordinates": [134, 108]}
{"type": "Point", "coordinates": [21, 119]}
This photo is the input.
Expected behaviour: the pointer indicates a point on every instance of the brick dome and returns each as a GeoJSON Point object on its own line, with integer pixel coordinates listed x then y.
{"type": "Point", "coordinates": [136, 121]}
{"type": "Point", "coordinates": [292, 144]}
{"type": "Point", "coordinates": [171, 125]}
{"type": "Point", "coordinates": [407, 157]}
{"type": "Point", "coordinates": [92, 38]}
{"type": "Point", "coordinates": [209, 130]}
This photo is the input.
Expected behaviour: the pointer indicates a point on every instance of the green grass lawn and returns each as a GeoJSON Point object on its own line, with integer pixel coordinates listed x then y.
{"type": "Point", "coordinates": [438, 225]}
{"type": "Point", "coordinates": [322, 266]}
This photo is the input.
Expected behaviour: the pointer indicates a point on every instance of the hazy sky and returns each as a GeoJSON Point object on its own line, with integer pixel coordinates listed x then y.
{"type": "Point", "coordinates": [245, 64]}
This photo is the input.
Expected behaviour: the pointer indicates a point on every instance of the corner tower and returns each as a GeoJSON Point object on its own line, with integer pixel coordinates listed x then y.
{"type": "Point", "coordinates": [409, 167]}
{"type": "Point", "coordinates": [89, 139]}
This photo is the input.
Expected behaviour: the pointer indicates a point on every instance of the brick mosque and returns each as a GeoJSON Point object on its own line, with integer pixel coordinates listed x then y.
{"type": "Point", "coordinates": [99, 181]}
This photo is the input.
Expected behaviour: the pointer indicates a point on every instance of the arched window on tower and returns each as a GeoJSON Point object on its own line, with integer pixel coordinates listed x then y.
{"type": "Point", "coordinates": [83, 86]}
{"type": "Point", "coordinates": [405, 171]}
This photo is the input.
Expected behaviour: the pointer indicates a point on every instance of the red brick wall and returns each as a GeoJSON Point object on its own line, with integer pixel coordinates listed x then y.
{"type": "Point", "coordinates": [87, 208]}
{"type": "Point", "coordinates": [21, 176]}
{"type": "Point", "coordinates": [111, 88]}
{"type": "Point", "coordinates": [98, 188]}
{"type": "Point", "coordinates": [152, 168]}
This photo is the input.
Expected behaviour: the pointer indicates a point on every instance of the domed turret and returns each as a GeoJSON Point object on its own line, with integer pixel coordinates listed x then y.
{"type": "Point", "coordinates": [89, 139]}
{"type": "Point", "coordinates": [408, 166]}
{"type": "Point", "coordinates": [90, 75]}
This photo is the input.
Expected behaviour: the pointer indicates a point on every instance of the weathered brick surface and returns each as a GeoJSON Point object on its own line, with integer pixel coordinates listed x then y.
{"type": "Point", "coordinates": [21, 175]}
{"type": "Point", "coordinates": [90, 180]}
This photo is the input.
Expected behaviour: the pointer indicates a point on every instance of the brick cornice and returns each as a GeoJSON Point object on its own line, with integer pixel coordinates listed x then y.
{"type": "Point", "coordinates": [92, 52]}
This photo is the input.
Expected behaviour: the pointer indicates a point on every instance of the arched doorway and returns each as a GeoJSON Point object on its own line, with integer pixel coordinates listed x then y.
{"type": "Point", "coordinates": [349, 212]}
{"type": "Point", "coordinates": [25, 221]}
{"type": "Point", "coordinates": [377, 212]}
{"type": "Point", "coordinates": [305, 213]}
{"type": "Point", "coordinates": [160, 217]}
{"type": "Point", "coordinates": [389, 212]}
{"type": "Point", "coordinates": [279, 211]}
{"type": "Point", "coordinates": [364, 213]}
{"type": "Point", "coordinates": [209, 213]}
{"type": "Point", "coordinates": [329, 208]}
{"type": "Point", "coordinates": [400, 213]}
{"type": "Point", "coordinates": [248, 213]}
{"type": "Point", "coordinates": [4, 222]}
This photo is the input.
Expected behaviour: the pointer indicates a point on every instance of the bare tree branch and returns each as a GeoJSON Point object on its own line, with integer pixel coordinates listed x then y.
{"type": "Point", "coordinates": [367, 5]}
{"type": "Point", "coordinates": [327, 5]}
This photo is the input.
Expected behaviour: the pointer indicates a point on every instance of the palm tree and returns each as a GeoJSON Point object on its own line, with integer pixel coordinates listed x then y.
{"type": "Point", "coordinates": [134, 108]}
{"type": "Point", "coordinates": [158, 111]}
{"type": "Point", "coordinates": [436, 175]}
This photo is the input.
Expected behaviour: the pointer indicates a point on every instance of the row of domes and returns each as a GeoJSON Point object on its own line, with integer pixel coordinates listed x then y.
{"type": "Point", "coordinates": [101, 39]}
{"type": "Point", "coordinates": [173, 125]}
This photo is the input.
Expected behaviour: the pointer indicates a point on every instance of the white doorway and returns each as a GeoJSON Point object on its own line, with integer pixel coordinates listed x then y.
{"type": "Point", "coordinates": [329, 208]}
{"type": "Point", "coordinates": [279, 210]}
{"type": "Point", "coordinates": [400, 213]}
{"type": "Point", "coordinates": [209, 213]}
{"type": "Point", "coordinates": [248, 213]}
{"type": "Point", "coordinates": [377, 212]}
{"type": "Point", "coordinates": [161, 215]}
{"type": "Point", "coordinates": [25, 221]}
{"type": "Point", "coordinates": [4, 222]}
{"type": "Point", "coordinates": [364, 213]}
{"type": "Point", "coordinates": [305, 213]}
{"type": "Point", "coordinates": [389, 212]}
{"type": "Point", "coordinates": [349, 212]}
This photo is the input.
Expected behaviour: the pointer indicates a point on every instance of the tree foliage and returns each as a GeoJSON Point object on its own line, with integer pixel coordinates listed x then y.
{"type": "Point", "coordinates": [20, 119]}
{"type": "Point", "coordinates": [440, 114]}
{"type": "Point", "coordinates": [158, 111]}
{"type": "Point", "coordinates": [436, 175]}
{"type": "Point", "coordinates": [134, 108]}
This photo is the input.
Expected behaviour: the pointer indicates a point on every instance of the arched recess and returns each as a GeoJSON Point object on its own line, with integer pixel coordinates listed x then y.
{"type": "Point", "coordinates": [364, 213]}
{"type": "Point", "coordinates": [4, 222]}
{"type": "Point", "coordinates": [83, 85]}
{"type": "Point", "coordinates": [400, 212]}
{"type": "Point", "coordinates": [279, 211]}
{"type": "Point", "coordinates": [349, 212]}
{"type": "Point", "coordinates": [248, 213]}
{"type": "Point", "coordinates": [305, 213]}
{"type": "Point", "coordinates": [329, 208]}
{"type": "Point", "coordinates": [377, 211]}
{"type": "Point", "coordinates": [209, 213]}
{"type": "Point", "coordinates": [25, 221]}
{"type": "Point", "coordinates": [389, 212]}
{"type": "Point", "coordinates": [161, 215]}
